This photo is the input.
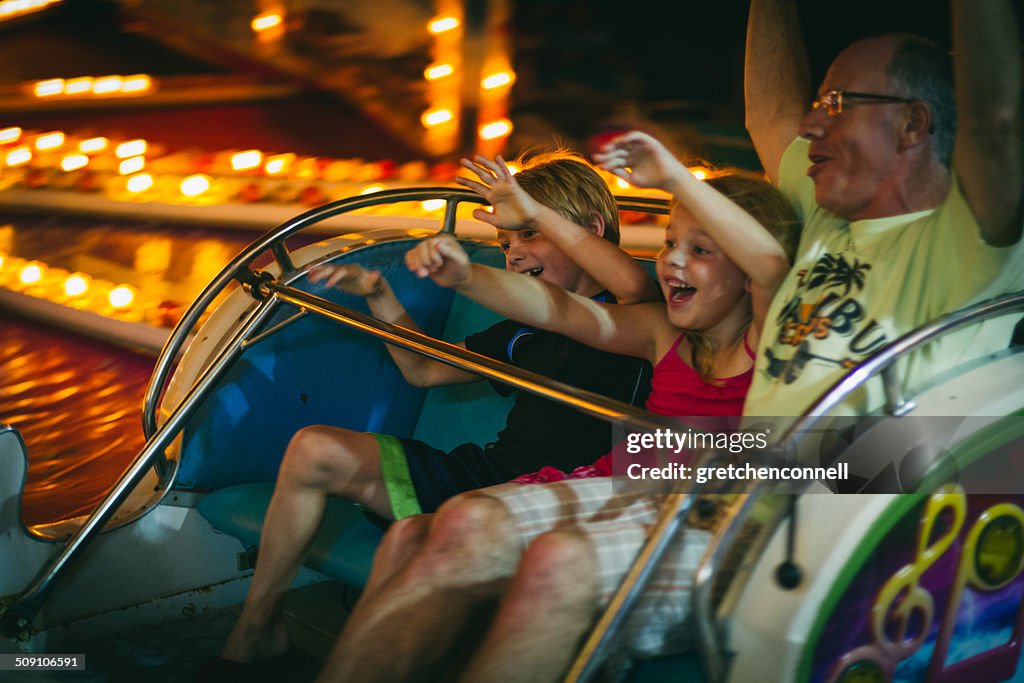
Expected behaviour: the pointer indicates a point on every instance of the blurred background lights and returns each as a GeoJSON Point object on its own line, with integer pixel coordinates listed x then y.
{"type": "Point", "coordinates": [47, 141]}
{"type": "Point", "coordinates": [243, 161]}
{"type": "Point", "coordinates": [436, 117]}
{"type": "Point", "coordinates": [442, 24]}
{"type": "Point", "coordinates": [32, 273]}
{"type": "Point", "coordinates": [73, 162]}
{"type": "Point", "coordinates": [195, 185]}
{"type": "Point", "coordinates": [436, 71]}
{"type": "Point", "coordinates": [93, 145]}
{"type": "Point", "coordinates": [76, 284]}
{"type": "Point", "coordinates": [121, 296]}
{"type": "Point", "coordinates": [133, 165]}
{"type": "Point", "coordinates": [18, 157]}
{"type": "Point", "coordinates": [495, 129]}
{"type": "Point", "coordinates": [139, 182]}
{"type": "Point", "coordinates": [130, 148]}
{"type": "Point", "coordinates": [11, 134]}
{"type": "Point", "coordinates": [265, 21]}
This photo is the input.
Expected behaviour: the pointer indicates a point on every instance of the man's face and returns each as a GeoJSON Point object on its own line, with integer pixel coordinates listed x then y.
{"type": "Point", "coordinates": [855, 160]}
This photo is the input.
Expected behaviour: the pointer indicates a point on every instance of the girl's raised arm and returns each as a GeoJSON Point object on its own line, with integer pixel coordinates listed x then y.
{"type": "Point", "coordinates": [628, 330]}
{"type": "Point", "coordinates": [643, 161]}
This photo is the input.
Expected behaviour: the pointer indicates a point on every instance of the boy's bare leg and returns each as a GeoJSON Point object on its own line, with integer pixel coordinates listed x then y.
{"type": "Point", "coordinates": [319, 462]}
{"type": "Point", "coordinates": [404, 539]}
{"type": "Point", "coordinates": [550, 605]}
{"type": "Point", "coordinates": [408, 627]}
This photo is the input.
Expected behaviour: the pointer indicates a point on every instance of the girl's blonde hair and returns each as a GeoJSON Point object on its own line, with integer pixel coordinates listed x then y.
{"type": "Point", "coordinates": [770, 208]}
{"type": "Point", "coordinates": [565, 182]}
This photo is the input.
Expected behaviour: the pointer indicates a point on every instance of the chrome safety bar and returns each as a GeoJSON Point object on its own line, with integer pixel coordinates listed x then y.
{"type": "Point", "coordinates": [524, 380]}
{"type": "Point", "coordinates": [709, 640]}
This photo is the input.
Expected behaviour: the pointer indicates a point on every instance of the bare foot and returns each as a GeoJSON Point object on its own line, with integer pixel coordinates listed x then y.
{"type": "Point", "coordinates": [250, 642]}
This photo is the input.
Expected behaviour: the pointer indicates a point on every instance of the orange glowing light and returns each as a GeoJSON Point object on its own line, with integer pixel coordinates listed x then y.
{"type": "Point", "coordinates": [243, 161]}
{"type": "Point", "coordinates": [442, 24]}
{"type": "Point", "coordinates": [497, 80]}
{"type": "Point", "coordinates": [133, 165]}
{"type": "Point", "coordinates": [195, 185]}
{"type": "Point", "coordinates": [49, 88]}
{"type": "Point", "coordinates": [622, 184]}
{"type": "Point", "coordinates": [47, 141]}
{"type": "Point", "coordinates": [32, 273]}
{"type": "Point", "coordinates": [139, 182]}
{"type": "Point", "coordinates": [699, 173]}
{"type": "Point", "coordinates": [121, 296]}
{"type": "Point", "coordinates": [12, 134]}
{"type": "Point", "coordinates": [432, 204]}
{"type": "Point", "coordinates": [495, 129]}
{"type": "Point", "coordinates": [372, 188]}
{"type": "Point", "coordinates": [131, 148]}
{"type": "Point", "coordinates": [435, 117]}
{"type": "Point", "coordinates": [137, 83]}
{"type": "Point", "coordinates": [78, 86]}
{"type": "Point", "coordinates": [436, 71]}
{"type": "Point", "coordinates": [93, 145]}
{"type": "Point", "coordinates": [76, 284]}
{"type": "Point", "coordinates": [107, 85]}
{"type": "Point", "coordinates": [18, 156]}
{"type": "Point", "coordinates": [73, 162]}
{"type": "Point", "coordinates": [267, 20]}
{"type": "Point", "coordinates": [278, 163]}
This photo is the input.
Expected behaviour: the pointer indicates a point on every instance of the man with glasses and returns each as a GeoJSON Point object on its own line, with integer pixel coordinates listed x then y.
{"type": "Point", "coordinates": [907, 215]}
{"type": "Point", "coordinates": [893, 239]}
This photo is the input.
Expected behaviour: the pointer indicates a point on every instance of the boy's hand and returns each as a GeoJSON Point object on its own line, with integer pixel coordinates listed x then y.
{"type": "Point", "coordinates": [514, 209]}
{"type": "Point", "coordinates": [349, 278]}
{"type": "Point", "coordinates": [441, 258]}
{"type": "Point", "coordinates": [640, 160]}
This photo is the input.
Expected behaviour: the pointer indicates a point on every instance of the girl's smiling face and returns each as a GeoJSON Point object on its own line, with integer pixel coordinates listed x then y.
{"type": "Point", "coordinates": [703, 288]}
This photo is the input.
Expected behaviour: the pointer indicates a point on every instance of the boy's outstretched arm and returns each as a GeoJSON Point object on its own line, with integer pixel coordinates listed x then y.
{"type": "Point", "coordinates": [515, 209]}
{"type": "Point", "coordinates": [418, 370]}
{"type": "Point", "coordinates": [988, 153]}
{"type": "Point", "coordinates": [643, 161]}
{"type": "Point", "coordinates": [610, 327]}
{"type": "Point", "coordinates": [776, 79]}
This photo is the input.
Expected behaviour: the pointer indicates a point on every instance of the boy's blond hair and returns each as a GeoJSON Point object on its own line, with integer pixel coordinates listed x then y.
{"type": "Point", "coordinates": [565, 182]}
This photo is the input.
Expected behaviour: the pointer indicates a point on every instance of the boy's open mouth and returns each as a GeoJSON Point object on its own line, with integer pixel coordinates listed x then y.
{"type": "Point", "coordinates": [535, 272]}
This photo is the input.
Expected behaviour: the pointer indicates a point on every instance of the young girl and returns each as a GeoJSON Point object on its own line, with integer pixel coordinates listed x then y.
{"type": "Point", "coordinates": [727, 248]}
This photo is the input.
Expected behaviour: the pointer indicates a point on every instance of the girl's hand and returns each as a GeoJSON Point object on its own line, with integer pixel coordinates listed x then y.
{"type": "Point", "coordinates": [640, 160]}
{"type": "Point", "coordinates": [440, 258]}
{"type": "Point", "coordinates": [514, 209]}
{"type": "Point", "coordinates": [350, 278]}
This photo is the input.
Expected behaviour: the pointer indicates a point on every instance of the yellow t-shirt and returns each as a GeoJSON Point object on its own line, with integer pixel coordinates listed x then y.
{"type": "Point", "coordinates": [856, 287]}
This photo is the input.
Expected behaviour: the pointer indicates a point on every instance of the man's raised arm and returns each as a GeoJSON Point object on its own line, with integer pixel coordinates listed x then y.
{"type": "Point", "coordinates": [988, 154]}
{"type": "Point", "coordinates": [776, 80]}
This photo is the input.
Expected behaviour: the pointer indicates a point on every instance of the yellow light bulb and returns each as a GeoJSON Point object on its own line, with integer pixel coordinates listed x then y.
{"type": "Point", "coordinates": [121, 296]}
{"type": "Point", "coordinates": [195, 185]}
{"type": "Point", "coordinates": [76, 284]}
{"type": "Point", "coordinates": [31, 273]}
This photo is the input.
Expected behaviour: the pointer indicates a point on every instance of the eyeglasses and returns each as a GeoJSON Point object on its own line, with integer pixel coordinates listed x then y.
{"type": "Point", "coordinates": [832, 101]}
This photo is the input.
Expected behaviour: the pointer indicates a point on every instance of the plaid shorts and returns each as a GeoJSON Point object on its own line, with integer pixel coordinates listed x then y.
{"type": "Point", "coordinates": [617, 525]}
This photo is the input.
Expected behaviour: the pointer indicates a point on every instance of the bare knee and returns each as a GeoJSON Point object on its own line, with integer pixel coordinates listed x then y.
{"type": "Point", "coordinates": [316, 454]}
{"type": "Point", "coordinates": [472, 538]}
{"type": "Point", "coordinates": [560, 568]}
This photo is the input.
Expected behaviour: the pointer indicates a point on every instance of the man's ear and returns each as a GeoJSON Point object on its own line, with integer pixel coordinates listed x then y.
{"type": "Point", "coordinates": [596, 224]}
{"type": "Point", "coordinates": [918, 124]}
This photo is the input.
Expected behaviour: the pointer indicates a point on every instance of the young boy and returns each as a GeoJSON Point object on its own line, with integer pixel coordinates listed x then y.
{"type": "Point", "coordinates": [397, 477]}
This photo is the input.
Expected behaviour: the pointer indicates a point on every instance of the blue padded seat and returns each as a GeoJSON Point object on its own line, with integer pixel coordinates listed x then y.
{"type": "Point", "coordinates": [442, 416]}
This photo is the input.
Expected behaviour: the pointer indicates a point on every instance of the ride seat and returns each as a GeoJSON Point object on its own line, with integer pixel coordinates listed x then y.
{"type": "Point", "coordinates": [369, 394]}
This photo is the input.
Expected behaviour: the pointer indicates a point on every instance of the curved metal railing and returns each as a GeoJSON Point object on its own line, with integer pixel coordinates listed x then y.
{"type": "Point", "coordinates": [712, 654]}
